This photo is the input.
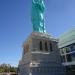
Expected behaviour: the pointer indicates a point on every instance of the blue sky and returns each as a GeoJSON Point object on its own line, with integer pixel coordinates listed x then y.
{"type": "Point", "coordinates": [15, 24]}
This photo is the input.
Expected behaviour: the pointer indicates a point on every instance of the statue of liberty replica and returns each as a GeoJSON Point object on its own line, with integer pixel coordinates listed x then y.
{"type": "Point", "coordinates": [38, 15]}
{"type": "Point", "coordinates": [40, 55]}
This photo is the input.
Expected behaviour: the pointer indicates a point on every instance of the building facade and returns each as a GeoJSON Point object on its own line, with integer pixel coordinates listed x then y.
{"type": "Point", "coordinates": [41, 56]}
{"type": "Point", "coordinates": [67, 51]}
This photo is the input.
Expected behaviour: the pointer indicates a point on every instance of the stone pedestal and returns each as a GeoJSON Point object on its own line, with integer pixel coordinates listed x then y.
{"type": "Point", "coordinates": [40, 56]}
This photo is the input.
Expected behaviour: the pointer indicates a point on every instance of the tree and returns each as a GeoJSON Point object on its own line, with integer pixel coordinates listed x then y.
{"type": "Point", "coordinates": [7, 68]}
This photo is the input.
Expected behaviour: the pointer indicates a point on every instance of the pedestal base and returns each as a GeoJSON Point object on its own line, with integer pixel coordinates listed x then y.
{"type": "Point", "coordinates": [41, 56]}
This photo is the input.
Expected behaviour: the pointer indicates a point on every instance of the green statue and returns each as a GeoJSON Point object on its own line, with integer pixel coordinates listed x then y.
{"type": "Point", "coordinates": [38, 16]}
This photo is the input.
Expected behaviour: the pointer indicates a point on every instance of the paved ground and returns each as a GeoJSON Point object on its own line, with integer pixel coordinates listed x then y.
{"type": "Point", "coordinates": [8, 74]}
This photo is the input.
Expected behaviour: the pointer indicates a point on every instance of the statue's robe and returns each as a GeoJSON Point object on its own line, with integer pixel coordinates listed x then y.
{"type": "Point", "coordinates": [38, 17]}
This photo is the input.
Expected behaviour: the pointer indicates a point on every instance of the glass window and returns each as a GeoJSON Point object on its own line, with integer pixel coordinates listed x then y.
{"type": "Point", "coordinates": [51, 47]}
{"type": "Point", "coordinates": [40, 45]}
{"type": "Point", "coordinates": [68, 57]}
{"type": "Point", "coordinates": [61, 51]}
{"type": "Point", "coordinates": [68, 49]}
{"type": "Point", "coordinates": [46, 48]}
{"type": "Point", "coordinates": [64, 50]}
{"type": "Point", "coordinates": [73, 47]}
{"type": "Point", "coordinates": [63, 58]}
{"type": "Point", "coordinates": [73, 56]}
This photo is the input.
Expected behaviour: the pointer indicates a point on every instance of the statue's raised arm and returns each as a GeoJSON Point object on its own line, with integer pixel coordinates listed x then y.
{"type": "Point", "coordinates": [38, 16]}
